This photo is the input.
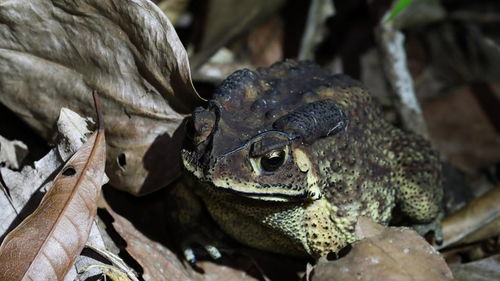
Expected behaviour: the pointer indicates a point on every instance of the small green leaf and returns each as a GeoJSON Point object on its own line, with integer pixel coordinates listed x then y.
{"type": "Point", "coordinates": [400, 6]}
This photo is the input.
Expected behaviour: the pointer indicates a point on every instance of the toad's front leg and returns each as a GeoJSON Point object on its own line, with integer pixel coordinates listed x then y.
{"type": "Point", "coordinates": [187, 217]}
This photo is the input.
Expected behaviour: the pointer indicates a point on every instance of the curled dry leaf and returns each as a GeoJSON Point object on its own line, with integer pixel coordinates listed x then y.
{"type": "Point", "coordinates": [478, 220]}
{"type": "Point", "coordinates": [385, 254]}
{"type": "Point", "coordinates": [54, 52]}
{"type": "Point", "coordinates": [45, 245]}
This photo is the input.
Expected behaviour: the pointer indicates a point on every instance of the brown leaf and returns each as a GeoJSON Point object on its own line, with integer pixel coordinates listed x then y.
{"type": "Point", "coordinates": [160, 263]}
{"type": "Point", "coordinates": [478, 220]}
{"type": "Point", "coordinates": [482, 270]}
{"type": "Point", "coordinates": [45, 245]}
{"type": "Point", "coordinates": [453, 117]}
{"type": "Point", "coordinates": [365, 228]}
{"type": "Point", "coordinates": [265, 42]}
{"type": "Point", "coordinates": [24, 188]}
{"type": "Point", "coordinates": [226, 19]}
{"type": "Point", "coordinates": [393, 254]}
{"type": "Point", "coordinates": [54, 52]}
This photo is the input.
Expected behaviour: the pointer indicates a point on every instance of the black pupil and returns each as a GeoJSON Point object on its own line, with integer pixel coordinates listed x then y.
{"type": "Point", "coordinates": [272, 163]}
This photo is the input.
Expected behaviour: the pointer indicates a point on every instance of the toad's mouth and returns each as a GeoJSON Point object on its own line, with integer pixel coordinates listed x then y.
{"type": "Point", "coordinates": [261, 196]}
{"type": "Point", "coordinates": [275, 197]}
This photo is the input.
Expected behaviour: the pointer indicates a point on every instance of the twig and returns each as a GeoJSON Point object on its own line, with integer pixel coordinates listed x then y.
{"type": "Point", "coordinates": [319, 11]}
{"type": "Point", "coordinates": [391, 43]}
{"type": "Point", "coordinates": [115, 260]}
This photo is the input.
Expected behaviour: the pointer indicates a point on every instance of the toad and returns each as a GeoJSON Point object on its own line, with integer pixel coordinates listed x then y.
{"type": "Point", "coordinates": [287, 158]}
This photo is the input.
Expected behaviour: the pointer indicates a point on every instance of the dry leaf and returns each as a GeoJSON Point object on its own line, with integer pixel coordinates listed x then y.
{"type": "Point", "coordinates": [226, 19]}
{"type": "Point", "coordinates": [386, 254]}
{"type": "Point", "coordinates": [23, 185]}
{"type": "Point", "coordinates": [453, 117]}
{"type": "Point", "coordinates": [265, 42]}
{"type": "Point", "coordinates": [72, 131]}
{"type": "Point", "coordinates": [478, 220]}
{"type": "Point", "coordinates": [173, 8]}
{"type": "Point", "coordinates": [80, 270]}
{"type": "Point", "coordinates": [53, 53]}
{"type": "Point", "coordinates": [45, 245]}
{"type": "Point", "coordinates": [227, 272]}
{"type": "Point", "coordinates": [118, 271]}
{"type": "Point", "coordinates": [483, 270]}
{"type": "Point", "coordinates": [365, 228]}
{"type": "Point", "coordinates": [158, 262]}
{"type": "Point", "coordinates": [8, 213]}
{"type": "Point", "coordinates": [12, 153]}
{"type": "Point", "coordinates": [17, 200]}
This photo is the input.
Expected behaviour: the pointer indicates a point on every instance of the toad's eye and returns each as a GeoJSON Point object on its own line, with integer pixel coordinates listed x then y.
{"type": "Point", "coordinates": [272, 161]}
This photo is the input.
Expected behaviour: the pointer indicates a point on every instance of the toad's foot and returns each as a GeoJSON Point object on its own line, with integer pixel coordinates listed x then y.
{"type": "Point", "coordinates": [432, 227]}
{"type": "Point", "coordinates": [201, 240]}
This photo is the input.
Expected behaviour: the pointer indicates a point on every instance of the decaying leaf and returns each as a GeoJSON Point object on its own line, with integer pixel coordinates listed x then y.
{"type": "Point", "coordinates": [23, 185]}
{"type": "Point", "coordinates": [226, 19]}
{"type": "Point", "coordinates": [72, 131]}
{"type": "Point", "coordinates": [173, 8]}
{"type": "Point", "coordinates": [385, 254]}
{"type": "Point", "coordinates": [478, 220]}
{"type": "Point", "coordinates": [80, 269]}
{"type": "Point", "coordinates": [483, 270]}
{"type": "Point", "coordinates": [128, 51]}
{"type": "Point", "coordinates": [119, 269]}
{"type": "Point", "coordinates": [265, 43]}
{"type": "Point", "coordinates": [451, 132]}
{"type": "Point", "coordinates": [24, 188]}
{"type": "Point", "coordinates": [8, 213]}
{"type": "Point", "coordinates": [160, 263]}
{"type": "Point", "coordinates": [45, 245]}
{"type": "Point", "coordinates": [12, 152]}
